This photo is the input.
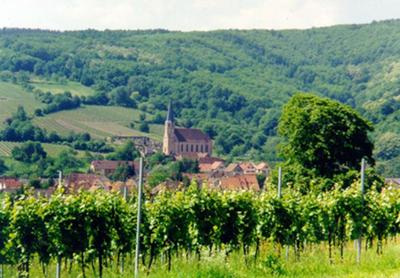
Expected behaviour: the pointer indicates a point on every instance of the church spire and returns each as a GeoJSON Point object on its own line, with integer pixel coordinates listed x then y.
{"type": "Point", "coordinates": [170, 114]}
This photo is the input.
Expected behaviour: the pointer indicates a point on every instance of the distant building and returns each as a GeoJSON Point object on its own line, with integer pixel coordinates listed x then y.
{"type": "Point", "coordinates": [247, 168]}
{"type": "Point", "coordinates": [240, 182]}
{"type": "Point", "coordinates": [108, 167]}
{"type": "Point", "coordinates": [263, 168]}
{"type": "Point", "coordinates": [76, 181]}
{"type": "Point", "coordinates": [184, 142]}
{"type": "Point", "coordinates": [211, 167]}
{"type": "Point", "coordinates": [8, 184]}
{"type": "Point", "coordinates": [233, 169]}
{"type": "Point", "coordinates": [393, 183]}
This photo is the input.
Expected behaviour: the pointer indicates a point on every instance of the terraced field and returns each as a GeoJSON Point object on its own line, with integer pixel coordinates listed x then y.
{"type": "Point", "coordinates": [55, 87]}
{"type": "Point", "coordinates": [11, 96]}
{"type": "Point", "coordinates": [99, 121]}
{"type": "Point", "coordinates": [51, 149]}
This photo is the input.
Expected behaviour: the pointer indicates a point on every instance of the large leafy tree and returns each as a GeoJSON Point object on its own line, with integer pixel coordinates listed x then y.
{"type": "Point", "coordinates": [323, 136]}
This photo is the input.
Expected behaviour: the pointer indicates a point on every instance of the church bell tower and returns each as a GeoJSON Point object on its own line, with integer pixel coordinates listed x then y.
{"type": "Point", "coordinates": [168, 141]}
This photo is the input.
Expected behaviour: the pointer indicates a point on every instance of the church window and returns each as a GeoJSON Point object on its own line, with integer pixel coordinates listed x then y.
{"type": "Point", "coordinates": [187, 147]}
{"type": "Point", "coordinates": [191, 148]}
{"type": "Point", "coordinates": [201, 148]}
{"type": "Point", "coordinates": [197, 148]}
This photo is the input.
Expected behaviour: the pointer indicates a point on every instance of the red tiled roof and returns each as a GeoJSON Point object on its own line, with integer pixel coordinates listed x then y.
{"type": "Point", "coordinates": [262, 166]}
{"type": "Point", "coordinates": [246, 166]}
{"type": "Point", "coordinates": [210, 160]}
{"type": "Point", "coordinates": [110, 164]}
{"type": "Point", "coordinates": [200, 177]}
{"type": "Point", "coordinates": [242, 182]}
{"type": "Point", "coordinates": [76, 181]}
{"type": "Point", "coordinates": [231, 167]}
{"type": "Point", "coordinates": [208, 167]}
{"type": "Point", "coordinates": [190, 134]}
{"type": "Point", "coordinates": [10, 183]}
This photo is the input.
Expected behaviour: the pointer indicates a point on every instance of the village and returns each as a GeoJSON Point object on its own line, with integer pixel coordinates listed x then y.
{"type": "Point", "coordinates": [178, 143]}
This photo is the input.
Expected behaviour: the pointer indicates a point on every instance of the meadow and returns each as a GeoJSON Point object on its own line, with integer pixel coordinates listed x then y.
{"type": "Point", "coordinates": [57, 87]}
{"type": "Point", "coordinates": [11, 96]}
{"type": "Point", "coordinates": [51, 149]}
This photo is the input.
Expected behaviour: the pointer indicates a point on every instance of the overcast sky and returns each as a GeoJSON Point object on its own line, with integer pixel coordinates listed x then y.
{"type": "Point", "coordinates": [189, 15]}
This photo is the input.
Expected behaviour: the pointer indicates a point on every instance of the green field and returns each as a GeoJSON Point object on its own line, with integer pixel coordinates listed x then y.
{"type": "Point", "coordinates": [11, 96]}
{"type": "Point", "coordinates": [99, 121]}
{"type": "Point", "coordinates": [51, 149]}
{"type": "Point", "coordinates": [55, 87]}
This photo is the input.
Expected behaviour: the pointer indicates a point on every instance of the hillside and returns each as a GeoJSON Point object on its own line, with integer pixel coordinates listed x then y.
{"type": "Point", "coordinates": [230, 83]}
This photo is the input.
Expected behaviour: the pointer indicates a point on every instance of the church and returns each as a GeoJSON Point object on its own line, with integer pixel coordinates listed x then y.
{"type": "Point", "coordinates": [184, 142]}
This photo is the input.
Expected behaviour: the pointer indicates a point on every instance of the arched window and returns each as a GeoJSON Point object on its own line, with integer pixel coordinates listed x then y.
{"type": "Point", "coordinates": [197, 148]}
{"type": "Point", "coordinates": [201, 148]}
{"type": "Point", "coordinates": [191, 148]}
{"type": "Point", "coordinates": [187, 148]}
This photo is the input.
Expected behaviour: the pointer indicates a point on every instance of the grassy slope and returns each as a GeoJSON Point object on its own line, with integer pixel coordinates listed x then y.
{"type": "Point", "coordinates": [55, 87]}
{"type": "Point", "coordinates": [99, 121]}
{"type": "Point", "coordinates": [51, 149]}
{"type": "Point", "coordinates": [11, 96]}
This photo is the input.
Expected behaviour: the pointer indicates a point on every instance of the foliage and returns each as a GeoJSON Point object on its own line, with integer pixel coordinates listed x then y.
{"type": "Point", "coordinates": [323, 135]}
{"type": "Point", "coordinates": [29, 152]}
{"type": "Point", "coordinates": [3, 167]}
{"type": "Point", "coordinates": [220, 80]}
{"type": "Point", "coordinates": [122, 172]}
{"type": "Point", "coordinates": [92, 227]}
{"type": "Point", "coordinates": [127, 152]}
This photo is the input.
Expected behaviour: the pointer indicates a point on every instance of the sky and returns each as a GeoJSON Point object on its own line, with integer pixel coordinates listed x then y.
{"type": "Point", "coordinates": [189, 15]}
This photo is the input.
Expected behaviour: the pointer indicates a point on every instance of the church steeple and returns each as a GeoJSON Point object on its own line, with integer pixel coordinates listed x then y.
{"type": "Point", "coordinates": [168, 141]}
{"type": "Point", "coordinates": [170, 113]}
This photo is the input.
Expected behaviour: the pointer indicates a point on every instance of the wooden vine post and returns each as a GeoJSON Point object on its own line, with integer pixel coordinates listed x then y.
{"type": "Point", "coordinates": [139, 204]}
{"type": "Point", "coordinates": [361, 215]}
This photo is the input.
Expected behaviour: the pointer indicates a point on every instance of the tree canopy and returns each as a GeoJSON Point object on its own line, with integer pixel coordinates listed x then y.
{"type": "Point", "coordinates": [324, 135]}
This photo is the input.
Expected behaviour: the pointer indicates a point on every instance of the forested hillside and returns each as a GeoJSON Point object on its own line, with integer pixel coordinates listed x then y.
{"type": "Point", "coordinates": [231, 83]}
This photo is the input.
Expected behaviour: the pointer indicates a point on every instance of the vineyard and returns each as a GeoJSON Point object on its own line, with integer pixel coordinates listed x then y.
{"type": "Point", "coordinates": [99, 121]}
{"type": "Point", "coordinates": [94, 231]}
{"type": "Point", "coordinates": [11, 96]}
{"type": "Point", "coordinates": [6, 148]}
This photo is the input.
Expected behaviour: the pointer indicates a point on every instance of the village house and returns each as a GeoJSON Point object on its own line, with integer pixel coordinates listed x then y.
{"type": "Point", "coordinates": [189, 143]}
{"type": "Point", "coordinates": [9, 184]}
{"type": "Point", "coordinates": [245, 168]}
{"type": "Point", "coordinates": [393, 183]}
{"type": "Point", "coordinates": [108, 167]}
{"type": "Point", "coordinates": [76, 181]}
{"type": "Point", "coordinates": [233, 169]}
{"type": "Point", "coordinates": [240, 182]}
{"type": "Point", "coordinates": [217, 166]}
{"type": "Point", "coordinates": [262, 168]}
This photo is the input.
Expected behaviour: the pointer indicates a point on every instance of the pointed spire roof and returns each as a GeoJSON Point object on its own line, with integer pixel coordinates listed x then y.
{"type": "Point", "coordinates": [170, 114]}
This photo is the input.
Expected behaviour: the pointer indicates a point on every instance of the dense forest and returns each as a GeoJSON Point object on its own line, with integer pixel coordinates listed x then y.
{"type": "Point", "coordinates": [230, 83]}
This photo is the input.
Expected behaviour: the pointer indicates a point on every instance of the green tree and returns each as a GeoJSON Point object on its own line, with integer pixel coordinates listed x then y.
{"type": "Point", "coordinates": [29, 152]}
{"type": "Point", "coordinates": [3, 167]}
{"type": "Point", "coordinates": [144, 127]}
{"type": "Point", "coordinates": [20, 114]}
{"type": "Point", "coordinates": [123, 172]}
{"type": "Point", "coordinates": [323, 135]}
{"type": "Point", "coordinates": [127, 151]}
